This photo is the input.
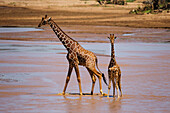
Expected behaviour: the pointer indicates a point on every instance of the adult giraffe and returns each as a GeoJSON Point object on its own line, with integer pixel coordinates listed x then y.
{"type": "Point", "coordinates": [77, 55]}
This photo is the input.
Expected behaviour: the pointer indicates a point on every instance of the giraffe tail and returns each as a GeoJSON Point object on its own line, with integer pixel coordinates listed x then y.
{"type": "Point", "coordinates": [104, 78]}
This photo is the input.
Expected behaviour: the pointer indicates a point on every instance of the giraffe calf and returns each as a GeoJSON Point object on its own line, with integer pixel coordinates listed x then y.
{"type": "Point", "coordinates": [114, 71]}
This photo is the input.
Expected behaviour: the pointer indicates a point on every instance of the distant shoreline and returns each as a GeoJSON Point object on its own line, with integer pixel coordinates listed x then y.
{"type": "Point", "coordinates": [89, 15]}
{"type": "Point", "coordinates": [87, 33]}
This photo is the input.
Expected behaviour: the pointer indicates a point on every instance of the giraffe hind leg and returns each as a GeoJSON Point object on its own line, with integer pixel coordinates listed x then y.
{"type": "Point", "coordinates": [119, 84]}
{"type": "Point", "coordinates": [93, 77]}
{"type": "Point", "coordinates": [99, 77]}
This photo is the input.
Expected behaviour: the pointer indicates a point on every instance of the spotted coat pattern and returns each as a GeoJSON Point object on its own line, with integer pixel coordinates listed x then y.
{"type": "Point", "coordinates": [76, 53]}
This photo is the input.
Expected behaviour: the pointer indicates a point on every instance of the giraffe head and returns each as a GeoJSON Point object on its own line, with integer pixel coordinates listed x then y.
{"type": "Point", "coordinates": [112, 38]}
{"type": "Point", "coordinates": [45, 20]}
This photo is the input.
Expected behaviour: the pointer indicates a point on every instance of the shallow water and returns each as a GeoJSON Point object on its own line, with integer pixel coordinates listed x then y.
{"type": "Point", "coordinates": [33, 73]}
{"type": "Point", "coordinates": [124, 49]}
{"type": "Point", "coordinates": [87, 34]}
{"type": "Point", "coordinates": [17, 29]}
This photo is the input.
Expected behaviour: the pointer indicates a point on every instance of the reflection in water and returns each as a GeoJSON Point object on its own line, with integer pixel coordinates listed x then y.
{"type": "Point", "coordinates": [92, 103]}
{"type": "Point", "coordinates": [73, 103]}
{"type": "Point", "coordinates": [115, 105]}
{"type": "Point", "coordinates": [83, 104]}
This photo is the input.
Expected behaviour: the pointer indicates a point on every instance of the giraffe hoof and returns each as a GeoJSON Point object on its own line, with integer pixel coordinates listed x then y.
{"type": "Point", "coordinates": [63, 93]}
{"type": "Point", "coordinates": [101, 92]}
{"type": "Point", "coordinates": [104, 94]}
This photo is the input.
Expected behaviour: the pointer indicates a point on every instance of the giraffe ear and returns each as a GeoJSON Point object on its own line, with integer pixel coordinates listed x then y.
{"type": "Point", "coordinates": [45, 16]}
{"type": "Point", "coordinates": [115, 37]}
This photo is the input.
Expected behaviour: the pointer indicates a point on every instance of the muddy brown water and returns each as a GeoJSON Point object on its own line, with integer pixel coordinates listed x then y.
{"type": "Point", "coordinates": [33, 73]}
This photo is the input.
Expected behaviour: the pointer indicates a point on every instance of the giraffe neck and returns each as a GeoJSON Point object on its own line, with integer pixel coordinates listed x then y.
{"type": "Point", "coordinates": [113, 54]}
{"type": "Point", "coordinates": [63, 37]}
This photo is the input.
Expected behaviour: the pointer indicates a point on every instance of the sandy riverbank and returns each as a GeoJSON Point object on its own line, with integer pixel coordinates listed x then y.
{"type": "Point", "coordinates": [75, 12]}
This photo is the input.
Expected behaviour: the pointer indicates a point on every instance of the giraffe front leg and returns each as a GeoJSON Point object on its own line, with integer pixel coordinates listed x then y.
{"type": "Point", "coordinates": [113, 86]}
{"type": "Point", "coordinates": [117, 83]}
{"type": "Point", "coordinates": [109, 87]}
{"type": "Point", "coordinates": [78, 77]}
{"type": "Point", "coordinates": [68, 77]}
{"type": "Point", "coordinates": [117, 90]}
